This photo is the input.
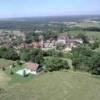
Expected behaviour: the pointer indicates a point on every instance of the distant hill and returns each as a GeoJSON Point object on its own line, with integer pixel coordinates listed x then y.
{"type": "Point", "coordinates": [53, 18]}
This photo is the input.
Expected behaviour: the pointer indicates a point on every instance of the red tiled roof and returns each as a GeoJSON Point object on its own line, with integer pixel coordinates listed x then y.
{"type": "Point", "coordinates": [32, 66]}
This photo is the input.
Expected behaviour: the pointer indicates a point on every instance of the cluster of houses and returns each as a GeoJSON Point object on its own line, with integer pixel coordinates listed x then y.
{"type": "Point", "coordinates": [7, 39]}
{"type": "Point", "coordinates": [68, 42]}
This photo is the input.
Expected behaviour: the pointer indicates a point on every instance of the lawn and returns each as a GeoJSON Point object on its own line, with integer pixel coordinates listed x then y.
{"type": "Point", "coordinates": [56, 86]}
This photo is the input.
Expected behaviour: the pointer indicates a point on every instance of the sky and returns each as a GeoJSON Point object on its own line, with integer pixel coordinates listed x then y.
{"type": "Point", "coordinates": [34, 8]}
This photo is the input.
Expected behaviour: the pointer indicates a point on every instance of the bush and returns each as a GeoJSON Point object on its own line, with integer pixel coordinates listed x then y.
{"type": "Point", "coordinates": [94, 45]}
{"type": "Point", "coordinates": [67, 55]}
{"type": "Point", "coordinates": [55, 64]}
{"type": "Point", "coordinates": [3, 68]}
{"type": "Point", "coordinates": [9, 54]}
{"type": "Point", "coordinates": [11, 72]}
{"type": "Point", "coordinates": [19, 62]}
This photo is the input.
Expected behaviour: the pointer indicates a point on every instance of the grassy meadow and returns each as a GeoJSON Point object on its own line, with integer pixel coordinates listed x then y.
{"type": "Point", "coordinates": [59, 85]}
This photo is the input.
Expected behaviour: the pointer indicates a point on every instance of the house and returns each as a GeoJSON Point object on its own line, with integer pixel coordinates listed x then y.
{"type": "Point", "coordinates": [30, 68]}
{"type": "Point", "coordinates": [38, 31]}
{"type": "Point", "coordinates": [49, 44]}
{"type": "Point", "coordinates": [41, 43]}
{"type": "Point", "coordinates": [36, 45]}
{"type": "Point", "coordinates": [61, 39]}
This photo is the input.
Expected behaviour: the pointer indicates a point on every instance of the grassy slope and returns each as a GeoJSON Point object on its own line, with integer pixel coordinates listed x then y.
{"type": "Point", "coordinates": [5, 63]}
{"type": "Point", "coordinates": [56, 86]}
{"type": "Point", "coordinates": [4, 79]}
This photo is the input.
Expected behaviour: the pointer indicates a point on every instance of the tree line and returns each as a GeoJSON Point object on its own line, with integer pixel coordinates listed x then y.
{"type": "Point", "coordinates": [85, 59]}
{"type": "Point", "coordinates": [39, 56]}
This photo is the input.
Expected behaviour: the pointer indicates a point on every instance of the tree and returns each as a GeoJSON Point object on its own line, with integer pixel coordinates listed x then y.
{"type": "Point", "coordinates": [80, 59]}
{"type": "Point", "coordinates": [83, 37]}
{"type": "Point", "coordinates": [24, 73]}
{"type": "Point", "coordinates": [34, 55]}
{"type": "Point", "coordinates": [54, 53]}
{"type": "Point", "coordinates": [2, 51]}
{"type": "Point", "coordinates": [29, 38]}
{"type": "Point", "coordinates": [24, 55]}
{"type": "Point", "coordinates": [94, 45]}
{"type": "Point", "coordinates": [94, 64]}
{"type": "Point", "coordinates": [82, 50]}
{"type": "Point", "coordinates": [75, 63]}
{"type": "Point", "coordinates": [11, 55]}
{"type": "Point", "coordinates": [51, 52]}
{"type": "Point", "coordinates": [17, 41]}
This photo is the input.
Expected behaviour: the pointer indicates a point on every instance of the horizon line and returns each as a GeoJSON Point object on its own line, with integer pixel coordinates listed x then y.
{"type": "Point", "coordinates": [49, 16]}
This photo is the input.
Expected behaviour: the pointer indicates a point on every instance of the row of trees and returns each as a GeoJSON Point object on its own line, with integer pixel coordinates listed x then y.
{"type": "Point", "coordinates": [34, 55]}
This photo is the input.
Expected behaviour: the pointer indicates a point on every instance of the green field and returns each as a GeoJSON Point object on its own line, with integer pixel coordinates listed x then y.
{"type": "Point", "coordinates": [93, 34]}
{"type": "Point", "coordinates": [55, 86]}
{"type": "Point", "coordinates": [90, 34]}
{"type": "Point", "coordinates": [88, 24]}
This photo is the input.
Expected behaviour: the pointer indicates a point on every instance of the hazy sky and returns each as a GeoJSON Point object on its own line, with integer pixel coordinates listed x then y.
{"type": "Point", "coordinates": [29, 8]}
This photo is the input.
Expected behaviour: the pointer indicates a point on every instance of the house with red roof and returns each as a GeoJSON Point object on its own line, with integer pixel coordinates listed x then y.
{"type": "Point", "coordinates": [30, 68]}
